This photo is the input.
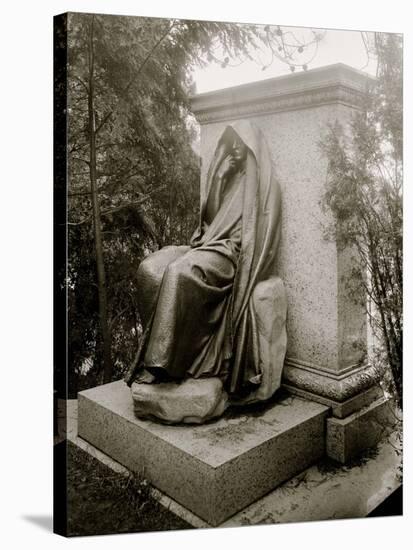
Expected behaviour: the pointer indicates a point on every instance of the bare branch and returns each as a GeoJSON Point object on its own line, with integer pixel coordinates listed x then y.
{"type": "Point", "coordinates": [103, 122]}
{"type": "Point", "coordinates": [81, 160]}
{"type": "Point", "coordinates": [149, 55]}
{"type": "Point", "coordinates": [116, 317]}
{"type": "Point", "coordinates": [75, 194]}
{"type": "Point", "coordinates": [121, 207]}
{"type": "Point", "coordinates": [82, 83]}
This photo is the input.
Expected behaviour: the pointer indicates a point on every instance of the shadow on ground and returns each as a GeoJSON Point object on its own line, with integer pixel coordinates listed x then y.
{"type": "Point", "coordinates": [44, 522]}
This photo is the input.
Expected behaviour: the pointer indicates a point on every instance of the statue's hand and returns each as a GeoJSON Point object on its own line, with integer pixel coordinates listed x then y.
{"type": "Point", "coordinates": [227, 167]}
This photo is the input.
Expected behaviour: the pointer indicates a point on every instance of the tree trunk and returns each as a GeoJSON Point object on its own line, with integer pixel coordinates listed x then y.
{"type": "Point", "coordinates": [103, 307]}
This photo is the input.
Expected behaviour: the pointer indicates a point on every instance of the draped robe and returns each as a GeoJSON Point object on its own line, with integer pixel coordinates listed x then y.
{"type": "Point", "coordinates": [198, 316]}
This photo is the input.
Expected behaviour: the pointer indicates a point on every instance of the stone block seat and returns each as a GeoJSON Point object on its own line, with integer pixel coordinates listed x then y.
{"type": "Point", "coordinates": [214, 469]}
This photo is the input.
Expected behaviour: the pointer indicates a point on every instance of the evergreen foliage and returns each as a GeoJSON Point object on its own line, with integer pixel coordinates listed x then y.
{"type": "Point", "coordinates": [128, 88]}
{"type": "Point", "coordinates": [365, 196]}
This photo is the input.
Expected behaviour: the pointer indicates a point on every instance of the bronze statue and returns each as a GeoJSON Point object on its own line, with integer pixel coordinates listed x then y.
{"type": "Point", "coordinates": [196, 301]}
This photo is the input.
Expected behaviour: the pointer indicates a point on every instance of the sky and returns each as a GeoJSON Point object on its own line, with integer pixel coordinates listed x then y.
{"type": "Point", "coordinates": [337, 46]}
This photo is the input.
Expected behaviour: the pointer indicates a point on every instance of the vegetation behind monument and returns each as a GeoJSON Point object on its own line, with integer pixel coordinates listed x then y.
{"type": "Point", "coordinates": [133, 182]}
{"type": "Point", "coordinates": [365, 196]}
{"type": "Point", "coordinates": [133, 175]}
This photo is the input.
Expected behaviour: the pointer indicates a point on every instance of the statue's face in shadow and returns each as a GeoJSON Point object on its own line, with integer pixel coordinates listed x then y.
{"type": "Point", "coordinates": [239, 150]}
{"type": "Point", "coordinates": [234, 155]}
{"type": "Point", "coordinates": [238, 153]}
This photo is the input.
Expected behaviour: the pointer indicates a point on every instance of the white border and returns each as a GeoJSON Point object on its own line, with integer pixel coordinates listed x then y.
{"type": "Point", "coordinates": [26, 268]}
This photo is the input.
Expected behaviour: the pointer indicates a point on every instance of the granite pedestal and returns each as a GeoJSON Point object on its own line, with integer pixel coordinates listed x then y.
{"type": "Point", "coordinates": [363, 429]}
{"type": "Point", "coordinates": [327, 358]}
{"type": "Point", "coordinates": [214, 469]}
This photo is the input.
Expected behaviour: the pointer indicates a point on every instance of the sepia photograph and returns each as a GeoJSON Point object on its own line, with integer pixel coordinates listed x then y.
{"type": "Point", "coordinates": [228, 274]}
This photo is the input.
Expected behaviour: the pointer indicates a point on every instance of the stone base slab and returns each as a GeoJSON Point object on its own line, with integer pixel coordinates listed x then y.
{"type": "Point", "coordinates": [313, 495]}
{"type": "Point", "coordinates": [348, 437]}
{"type": "Point", "coordinates": [335, 386]}
{"type": "Point", "coordinates": [340, 409]}
{"type": "Point", "coordinates": [214, 469]}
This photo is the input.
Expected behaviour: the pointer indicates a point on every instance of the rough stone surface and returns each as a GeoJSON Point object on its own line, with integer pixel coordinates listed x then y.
{"type": "Point", "coordinates": [313, 495]}
{"type": "Point", "coordinates": [331, 493]}
{"type": "Point", "coordinates": [212, 469]}
{"type": "Point", "coordinates": [308, 264]}
{"type": "Point", "coordinates": [348, 437]}
{"type": "Point", "coordinates": [192, 401]}
{"type": "Point", "coordinates": [344, 408]}
{"type": "Point", "coordinates": [356, 403]}
{"type": "Point", "coordinates": [333, 386]}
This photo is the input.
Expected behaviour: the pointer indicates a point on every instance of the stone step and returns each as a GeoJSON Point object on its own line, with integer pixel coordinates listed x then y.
{"type": "Point", "coordinates": [213, 469]}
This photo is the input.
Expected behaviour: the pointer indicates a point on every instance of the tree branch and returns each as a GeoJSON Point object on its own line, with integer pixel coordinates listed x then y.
{"type": "Point", "coordinates": [75, 194]}
{"type": "Point", "coordinates": [103, 122]}
{"type": "Point", "coordinates": [82, 83]}
{"type": "Point", "coordinates": [81, 160]}
{"type": "Point", "coordinates": [121, 207]}
{"type": "Point", "coordinates": [148, 56]}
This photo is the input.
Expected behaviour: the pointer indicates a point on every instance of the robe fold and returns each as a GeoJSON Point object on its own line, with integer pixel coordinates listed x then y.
{"type": "Point", "coordinates": [201, 322]}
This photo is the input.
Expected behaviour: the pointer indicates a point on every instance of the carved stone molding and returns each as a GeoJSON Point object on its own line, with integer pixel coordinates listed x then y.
{"type": "Point", "coordinates": [335, 84]}
{"type": "Point", "coordinates": [334, 386]}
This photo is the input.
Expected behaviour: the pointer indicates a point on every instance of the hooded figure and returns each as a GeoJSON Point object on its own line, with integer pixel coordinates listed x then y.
{"type": "Point", "coordinates": [195, 303]}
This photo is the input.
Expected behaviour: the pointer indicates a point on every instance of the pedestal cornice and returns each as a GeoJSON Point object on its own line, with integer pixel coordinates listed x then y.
{"type": "Point", "coordinates": [334, 84]}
